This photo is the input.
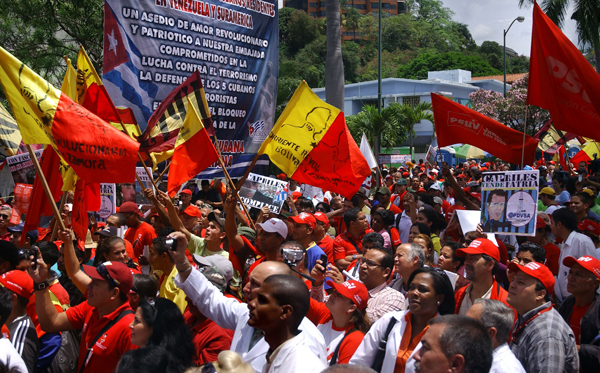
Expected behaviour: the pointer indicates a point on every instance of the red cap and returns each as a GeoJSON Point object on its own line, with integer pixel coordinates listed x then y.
{"type": "Point", "coordinates": [587, 262]}
{"type": "Point", "coordinates": [477, 196]}
{"type": "Point", "coordinates": [552, 162]}
{"type": "Point", "coordinates": [115, 272]}
{"type": "Point", "coordinates": [129, 207]}
{"type": "Point", "coordinates": [481, 246]}
{"type": "Point", "coordinates": [282, 177]}
{"type": "Point", "coordinates": [540, 223]}
{"type": "Point", "coordinates": [405, 174]}
{"type": "Point", "coordinates": [461, 176]}
{"type": "Point", "coordinates": [590, 226]}
{"type": "Point", "coordinates": [322, 218]}
{"type": "Point", "coordinates": [353, 290]}
{"type": "Point", "coordinates": [536, 270]}
{"type": "Point", "coordinates": [295, 196]}
{"type": "Point", "coordinates": [186, 191]}
{"type": "Point", "coordinates": [192, 210]}
{"type": "Point", "coordinates": [18, 282]}
{"type": "Point", "coordinates": [483, 168]}
{"type": "Point", "coordinates": [304, 218]}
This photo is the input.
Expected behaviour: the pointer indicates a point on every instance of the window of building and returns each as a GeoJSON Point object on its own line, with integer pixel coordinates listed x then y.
{"type": "Point", "coordinates": [322, 13]}
{"type": "Point", "coordinates": [314, 14]}
{"type": "Point", "coordinates": [322, 4]}
{"type": "Point", "coordinates": [411, 100]}
{"type": "Point", "coordinates": [393, 6]}
{"type": "Point", "coordinates": [313, 5]}
{"type": "Point", "coordinates": [360, 6]}
{"type": "Point", "coordinates": [374, 5]}
{"type": "Point", "coordinates": [385, 5]}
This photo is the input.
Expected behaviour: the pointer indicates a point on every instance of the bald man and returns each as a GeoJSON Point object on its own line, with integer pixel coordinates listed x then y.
{"type": "Point", "coordinates": [230, 314]}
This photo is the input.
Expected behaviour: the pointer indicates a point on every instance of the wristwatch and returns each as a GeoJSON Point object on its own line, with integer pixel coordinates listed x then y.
{"type": "Point", "coordinates": [354, 257]}
{"type": "Point", "coordinates": [41, 285]}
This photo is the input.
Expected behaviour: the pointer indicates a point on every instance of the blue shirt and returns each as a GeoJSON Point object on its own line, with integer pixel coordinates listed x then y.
{"type": "Point", "coordinates": [314, 253]}
{"type": "Point", "coordinates": [563, 197]}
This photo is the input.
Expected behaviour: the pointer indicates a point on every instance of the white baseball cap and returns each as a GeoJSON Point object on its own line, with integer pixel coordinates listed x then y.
{"type": "Point", "coordinates": [435, 186]}
{"type": "Point", "coordinates": [223, 264]}
{"type": "Point", "coordinates": [275, 225]}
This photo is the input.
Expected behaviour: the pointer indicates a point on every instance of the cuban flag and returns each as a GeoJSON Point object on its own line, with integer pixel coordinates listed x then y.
{"type": "Point", "coordinates": [280, 195]}
{"type": "Point", "coordinates": [120, 74]}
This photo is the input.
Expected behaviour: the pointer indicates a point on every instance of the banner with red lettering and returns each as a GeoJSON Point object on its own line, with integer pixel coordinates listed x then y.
{"type": "Point", "coordinates": [562, 81]}
{"type": "Point", "coordinates": [455, 123]}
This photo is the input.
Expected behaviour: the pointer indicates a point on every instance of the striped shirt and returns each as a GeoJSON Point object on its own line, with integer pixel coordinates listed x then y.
{"type": "Point", "coordinates": [382, 300]}
{"type": "Point", "coordinates": [25, 341]}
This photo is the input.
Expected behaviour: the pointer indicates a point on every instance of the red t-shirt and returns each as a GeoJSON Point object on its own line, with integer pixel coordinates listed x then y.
{"type": "Point", "coordinates": [395, 209]}
{"type": "Point", "coordinates": [60, 293]}
{"type": "Point", "coordinates": [209, 339]}
{"type": "Point", "coordinates": [327, 245]}
{"type": "Point", "coordinates": [552, 257]}
{"type": "Point", "coordinates": [344, 245]}
{"type": "Point", "coordinates": [575, 320]}
{"type": "Point", "coordinates": [129, 251]}
{"type": "Point", "coordinates": [395, 237]}
{"type": "Point", "coordinates": [139, 237]}
{"type": "Point", "coordinates": [108, 348]}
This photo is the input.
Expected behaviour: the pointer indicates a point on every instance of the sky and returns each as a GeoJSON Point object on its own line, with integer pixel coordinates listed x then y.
{"type": "Point", "coordinates": [488, 18]}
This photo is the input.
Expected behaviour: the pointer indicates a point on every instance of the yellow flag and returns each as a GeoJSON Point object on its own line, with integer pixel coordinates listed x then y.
{"type": "Point", "coordinates": [32, 99]}
{"type": "Point", "coordinates": [301, 126]}
{"type": "Point", "coordinates": [69, 83]}
{"type": "Point", "coordinates": [10, 136]}
{"type": "Point", "coordinates": [86, 75]}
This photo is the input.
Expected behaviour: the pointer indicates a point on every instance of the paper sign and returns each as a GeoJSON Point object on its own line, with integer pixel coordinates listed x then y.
{"type": "Point", "coordinates": [22, 168]}
{"type": "Point", "coordinates": [21, 205]}
{"type": "Point", "coordinates": [259, 191]}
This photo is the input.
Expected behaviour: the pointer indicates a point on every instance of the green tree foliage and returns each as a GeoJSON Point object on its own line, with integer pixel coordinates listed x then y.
{"type": "Point", "coordinates": [418, 68]}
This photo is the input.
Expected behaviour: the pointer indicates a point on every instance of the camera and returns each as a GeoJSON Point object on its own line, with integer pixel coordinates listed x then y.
{"type": "Point", "coordinates": [171, 244]}
{"type": "Point", "coordinates": [291, 257]}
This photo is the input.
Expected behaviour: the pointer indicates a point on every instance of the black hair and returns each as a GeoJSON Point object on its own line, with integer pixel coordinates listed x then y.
{"type": "Point", "coordinates": [306, 203]}
{"type": "Point", "coordinates": [325, 206]}
{"type": "Point", "coordinates": [430, 216]}
{"type": "Point", "coordinates": [539, 287]}
{"type": "Point", "coordinates": [123, 297]}
{"type": "Point", "coordinates": [5, 304]}
{"type": "Point", "coordinates": [121, 219]}
{"type": "Point", "coordinates": [351, 215]}
{"type": "Point", "coordinates": [160, 246]}
{"type": "Point", "coordinates": [496, 192]}
{"type": "Point", "coordinates": [566, 217]}
{"type": "Point", "coordinates": [571, 185]}
{"type": "Point", "coordinates": [538, 252]}
{"type": "Point", "coordinates": [387, 216]}
{"type": "Point", "coordinates": [467, 337]}
{"type": "Point", "coordinates": [105, 247]}
{"type": "Point", "coordinates": [424, 229]}
{"type": "Point", "coordinates": [149, 359]}
{"type": "Point", "coordinates": [584, 197]}
{"type": "Point", "coordinates": [168, 329]}
{"type": "Point", "coordinates": [375, 238]}
{"type": "Point", "coordinates": [354, 200]}
{"type": "Point", "coordinates": [49, 252]}
{"type": "Point", "coordinates": [455, 258]}
{"type": "Point", "coordinates": [164, 232]}
{"type": "Point", "coordinates": [9, 253]}
{"type": "Point", "coordinates": [440, 222]}
{"type": "Point", "coordinates": [145, 286]}
{"type": "Point", "coordinates": [80, 254]}
{"type": "Point", "coordinates": [487, 258]}
{"type": "Point", "coordinates": [387, 261]}
{"type": "Point", "coordinates": [289, 290]}
{"type": "Point", "coordinates": [426, 198]}
{"type": "Point", "coordinates": [441, 285]}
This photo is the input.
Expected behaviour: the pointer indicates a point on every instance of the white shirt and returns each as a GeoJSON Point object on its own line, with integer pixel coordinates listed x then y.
{"type": "Point", "coordinates": [404, 227]}
{"type": "Point", "coordinates": [365, 353]}
{"type": "Point", "coordinates": [550, 209]}
{"type": "Point", "coordinates": [505, 361]}
{"type": "Point", "coordinates": [332, 336]}
{"type": "Point", "coordinates": [230, 314]}
{"type": "Point", "coordinates": [466, 302]}
{"type": "Point", "coordinates": [295, 357]}
{"type": "Point", "coordinates": [576, 245]}
{"type": "Point", "coordinates": [10, 357]}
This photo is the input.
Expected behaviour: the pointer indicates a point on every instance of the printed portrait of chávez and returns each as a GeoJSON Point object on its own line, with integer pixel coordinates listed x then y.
{"type": "Point", "coordinates": [496, 209]}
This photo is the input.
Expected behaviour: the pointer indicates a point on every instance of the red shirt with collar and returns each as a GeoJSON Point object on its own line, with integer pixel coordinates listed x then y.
{"type": "Point", "coordinates": [327, 245]}
{"type": "Point", "coordinates": [109, 348]}
{"type": "Point", "coordinates": [5, 237]}
{"type": "Point", "coordinates": [139, 237]}
{"type": "Point", "coordinates": [343, 245]}
{"type": "Point", "coordinates": [209, 339]}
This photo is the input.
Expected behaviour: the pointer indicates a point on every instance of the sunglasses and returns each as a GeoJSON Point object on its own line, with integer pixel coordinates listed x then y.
{"type": "Point", "coordinates": [4, 216]}
{"type": "Point", "coordinates": [103, 272]}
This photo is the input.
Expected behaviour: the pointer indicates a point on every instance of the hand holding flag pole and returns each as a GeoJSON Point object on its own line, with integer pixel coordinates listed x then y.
{"type": "Point", "coordinates": [40, 174]}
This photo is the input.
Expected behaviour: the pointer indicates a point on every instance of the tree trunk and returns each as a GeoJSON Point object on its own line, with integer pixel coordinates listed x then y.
{"type": "Point", "coordinates": [410, 144]}
{"type": "Point", "coordinates": [334, 67]}
{"type": "Point", "coordinates": [376, 142]}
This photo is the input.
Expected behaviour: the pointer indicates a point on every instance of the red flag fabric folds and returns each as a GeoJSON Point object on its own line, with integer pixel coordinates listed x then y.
{"type": "Point", "coordinates": [455, 123]}
{"type": "Point", "coordinates": [562, 81]}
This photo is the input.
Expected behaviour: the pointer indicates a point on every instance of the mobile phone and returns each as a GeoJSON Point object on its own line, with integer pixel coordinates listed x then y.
{"type": "Point", "coordinates": [35, 256]}
{"type": "Point", "coordinates": [580, 177]}
{"type": "Point", "coordinates": [324, 260]}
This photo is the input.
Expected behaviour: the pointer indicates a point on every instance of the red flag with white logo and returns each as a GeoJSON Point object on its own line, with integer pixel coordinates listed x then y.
{"type": "Point", "coordinates": [455, 123]}
{"type": "Point", "coordinates": [562, 81]}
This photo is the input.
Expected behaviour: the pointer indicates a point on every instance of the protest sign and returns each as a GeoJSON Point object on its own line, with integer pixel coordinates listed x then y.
{"type": "Point", "coordinates": [259, 191]}
{"type": "Point", "coordinates": [151, 47]}
{"type": "Point", "coordinates": [21, 167]}
{"type": "Point", "coordinates": [509, 202]}
{"type": "Point", "coordinates": [21, 205]}
{"type": "Point", "coordinates": [394, 158]}
{"type": "Point", "coordinates": [132, 192]}
{"type": "Point", "coordinates": [108, 202]}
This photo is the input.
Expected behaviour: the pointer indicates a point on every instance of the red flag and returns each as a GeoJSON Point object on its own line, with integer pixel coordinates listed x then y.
{"type": "Point", "coordinates": [455, 123]}
{"type": "Point", "coordinates": [39, 205]}
{"type": "Point", "coordinates": [79, 217]}
{"type": "Point", "coordinates": [562, 158]}
{"type": "Point", "coordinates": [561, 80]}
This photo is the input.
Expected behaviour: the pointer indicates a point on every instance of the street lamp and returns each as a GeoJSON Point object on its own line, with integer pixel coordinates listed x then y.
{"type": "Point", "coordinates": [520, 19]}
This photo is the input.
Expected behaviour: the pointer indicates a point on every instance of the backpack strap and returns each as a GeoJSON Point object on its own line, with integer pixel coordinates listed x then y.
{"type": "Point", "coordinates": [380, 355]}
{"type": "Point", "coordinates": [334, 357]}
{"type": "Point", "coordinates": [109, 325]}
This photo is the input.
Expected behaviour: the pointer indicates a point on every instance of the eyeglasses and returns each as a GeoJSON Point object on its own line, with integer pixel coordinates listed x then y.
{"type": "Point", "coordinates": [103, 272]}
{"type": "Point", "coordinates": [370, 263]}
{"type": "Point", "coordinates": [4, 216]}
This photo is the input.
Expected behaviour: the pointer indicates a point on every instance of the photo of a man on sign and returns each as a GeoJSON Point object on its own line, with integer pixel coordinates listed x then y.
{"type": "Point", "coordinates": [496, 208]}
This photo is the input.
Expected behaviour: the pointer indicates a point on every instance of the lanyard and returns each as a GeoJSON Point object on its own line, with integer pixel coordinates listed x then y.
{"type": "Point", "coordinates": [516, 333]}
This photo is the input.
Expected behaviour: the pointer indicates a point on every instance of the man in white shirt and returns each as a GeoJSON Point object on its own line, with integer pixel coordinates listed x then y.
{"type": "Point", "coordinates": [564, 223]}
{"type": "Point", "coordinates": [404, 221]}
{"type": "Point", "coordinates": [228, 313]}
{"type": "Point", "coordinates": [498, 319]}
{"type": "Point", "coordinates": [9, 357]}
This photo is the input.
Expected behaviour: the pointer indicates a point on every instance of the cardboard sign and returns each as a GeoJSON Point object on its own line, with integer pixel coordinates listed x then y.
{"type": "Point", "coordinates": [21, 205]}
{"type": "Point", "coordinates": [259, 191]}
{"type": "Point", "coordinates": [21, 167]}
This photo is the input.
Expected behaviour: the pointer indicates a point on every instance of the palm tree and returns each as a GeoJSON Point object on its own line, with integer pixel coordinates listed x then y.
{"type": "Point", "coordinates": [334, 66]}
{"type": "Point", "coordinates": [586, 15]}
{"type": "Point", "coordinates": [408, 116]}
{"type": "Point", "coordinates": [375, 125]}
{"type": "Point", "coordinates": [352, 21]}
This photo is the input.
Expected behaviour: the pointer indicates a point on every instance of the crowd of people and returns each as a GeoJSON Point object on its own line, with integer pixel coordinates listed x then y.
{"type": "Point", "coordinates": [380, 282]}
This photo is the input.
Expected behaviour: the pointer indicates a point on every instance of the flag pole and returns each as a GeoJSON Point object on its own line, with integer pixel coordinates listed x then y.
{"type": "Point", "coordinates": [524, 136]}
{"type": "Point", "coordinates": [40, 174]}
{"type": "Point", "coordinates": [233, 188]}
{"type": "Point", "coordinates": [140, 158]}
{"type": "Point", "coordinates": [62, 205]}
{"type": "Point", "coordinates": [159, 178]}
{"type": "Point", "coordinates": [241, 182]}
